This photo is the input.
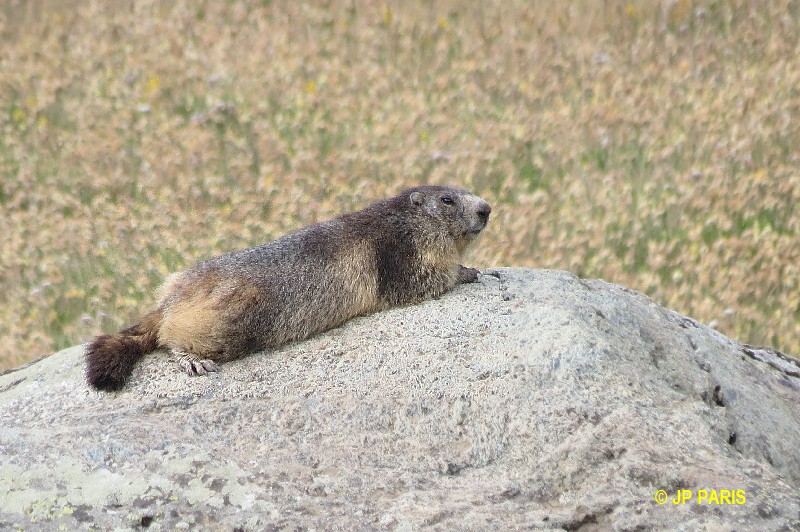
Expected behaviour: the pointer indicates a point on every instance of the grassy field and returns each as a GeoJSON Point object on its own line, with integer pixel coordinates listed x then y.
{"type": "Point", "coordinates": [652, 144]}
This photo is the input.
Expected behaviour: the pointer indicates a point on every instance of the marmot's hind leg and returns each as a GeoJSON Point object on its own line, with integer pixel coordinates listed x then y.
{"type": "Point", "coordinates": [194, 365]}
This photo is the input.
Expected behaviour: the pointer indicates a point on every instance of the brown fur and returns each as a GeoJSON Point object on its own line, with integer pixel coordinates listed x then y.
{"type": "Point", "coordinates": [193, 322]}
{"type": "Point", "coordinates": [394, 252]}
{"type": "Point", "coordinates": [111, 357]}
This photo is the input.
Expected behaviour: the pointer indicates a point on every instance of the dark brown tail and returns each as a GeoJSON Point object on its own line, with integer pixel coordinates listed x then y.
{"type": "Point", "coordinates": [110, 358]}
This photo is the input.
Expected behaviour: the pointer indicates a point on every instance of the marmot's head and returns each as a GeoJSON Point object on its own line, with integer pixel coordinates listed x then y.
{"type": "Point", "coordinates": [462, 213]}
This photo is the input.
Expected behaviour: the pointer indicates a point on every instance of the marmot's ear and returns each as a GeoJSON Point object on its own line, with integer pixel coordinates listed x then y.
{"type": "Point", "coordinates": [416, 198]}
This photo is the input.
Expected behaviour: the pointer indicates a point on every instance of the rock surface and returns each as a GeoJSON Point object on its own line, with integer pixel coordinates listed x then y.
{"type": "Point", "coordinates": [533, 399]}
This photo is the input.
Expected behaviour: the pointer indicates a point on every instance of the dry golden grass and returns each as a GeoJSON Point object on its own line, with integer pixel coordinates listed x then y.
{"type": "Point", "coordinates": [650, 144]}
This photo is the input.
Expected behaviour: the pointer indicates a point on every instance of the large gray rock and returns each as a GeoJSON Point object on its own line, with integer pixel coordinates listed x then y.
{"type": "Point", "coordinates": [534, 399]}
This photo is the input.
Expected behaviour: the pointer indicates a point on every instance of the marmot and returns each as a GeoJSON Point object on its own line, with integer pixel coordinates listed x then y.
{"type": "Point", "coordinates": [394, 252]}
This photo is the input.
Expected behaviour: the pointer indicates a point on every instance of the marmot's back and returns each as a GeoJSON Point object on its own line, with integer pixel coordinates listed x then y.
{"type": "Point", "coordinates": [394, 252]}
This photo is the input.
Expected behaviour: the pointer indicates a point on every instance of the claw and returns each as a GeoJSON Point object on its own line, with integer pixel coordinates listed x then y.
{"type": "Point", "coordinates": [195, 366]}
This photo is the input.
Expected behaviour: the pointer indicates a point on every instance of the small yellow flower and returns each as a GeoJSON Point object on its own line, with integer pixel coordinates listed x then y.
{"type": "Point", "coordinates": [74, 293]}
{"type": "Point", "coordinates": [153, 84]}
{"type": "Point", "coordinates": [387, 15]}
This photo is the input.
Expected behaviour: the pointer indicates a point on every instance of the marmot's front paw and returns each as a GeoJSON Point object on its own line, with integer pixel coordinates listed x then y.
{"type": "Point", "coordinates": [467, 275]}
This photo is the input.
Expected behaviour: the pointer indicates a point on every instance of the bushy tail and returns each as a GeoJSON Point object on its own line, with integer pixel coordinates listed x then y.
{"type": "Point", "coordinates": [110, 358]}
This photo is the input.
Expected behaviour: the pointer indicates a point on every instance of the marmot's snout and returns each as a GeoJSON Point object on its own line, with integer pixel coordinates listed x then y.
{"type": "Point", "coordinates": [482, 211]}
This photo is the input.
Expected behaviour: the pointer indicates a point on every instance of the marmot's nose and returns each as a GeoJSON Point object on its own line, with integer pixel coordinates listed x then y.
{"type": "Point", "coordinates": [484, 209]}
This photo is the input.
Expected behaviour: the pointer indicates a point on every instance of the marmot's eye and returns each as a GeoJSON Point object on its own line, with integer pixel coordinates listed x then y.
{"type": "Point", "coordinates": [447, 200]}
